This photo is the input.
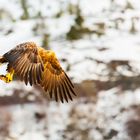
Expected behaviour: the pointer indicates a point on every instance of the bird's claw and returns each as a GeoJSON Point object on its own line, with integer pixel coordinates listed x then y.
{"type": "Point", "coordinates": [6, 78]}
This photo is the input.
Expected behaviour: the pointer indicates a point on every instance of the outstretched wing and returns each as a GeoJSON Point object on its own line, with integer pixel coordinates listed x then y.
{"type": "Point", "coordinates": [55, 81]}
{"type": "Point", "coordinates": [26, 62]}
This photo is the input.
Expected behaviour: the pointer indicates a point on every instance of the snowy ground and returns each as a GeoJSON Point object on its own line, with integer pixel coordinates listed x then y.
{"type": "Point", "coordinates": [81, 119]}
{"type": "Point", "coordinates": [110, 51]}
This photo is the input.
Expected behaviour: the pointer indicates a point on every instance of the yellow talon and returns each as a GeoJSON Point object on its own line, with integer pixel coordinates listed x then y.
{"type": "Point", "coordinates": [8, 77]}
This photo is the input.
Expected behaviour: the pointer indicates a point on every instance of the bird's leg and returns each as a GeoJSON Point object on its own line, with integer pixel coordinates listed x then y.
{"type": "Point", "coordinates": [8, 77]}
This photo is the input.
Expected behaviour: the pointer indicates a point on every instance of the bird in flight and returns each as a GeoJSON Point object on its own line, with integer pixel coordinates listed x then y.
{"type": "Point", "coordinates": [37, 66]}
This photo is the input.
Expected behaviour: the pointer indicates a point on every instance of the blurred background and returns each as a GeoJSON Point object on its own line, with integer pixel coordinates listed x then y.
{"type": "Point", "coordinates": [98, 45]}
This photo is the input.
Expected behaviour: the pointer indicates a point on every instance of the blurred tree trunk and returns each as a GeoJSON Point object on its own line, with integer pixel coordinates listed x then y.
{"type": "Point", "coordinates": [25, 9]}
{"type": "Point", "coordinates": [45, 41]}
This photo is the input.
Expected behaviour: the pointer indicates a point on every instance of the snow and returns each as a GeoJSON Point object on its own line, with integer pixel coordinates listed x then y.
{"type": "Point", "coordinates": [78, 115]}
{"type": "Point", "coordinates": [92, 6]}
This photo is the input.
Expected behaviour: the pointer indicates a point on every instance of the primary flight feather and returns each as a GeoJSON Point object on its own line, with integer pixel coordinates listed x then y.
{"type": "Point", "coordinates": [37, 66]}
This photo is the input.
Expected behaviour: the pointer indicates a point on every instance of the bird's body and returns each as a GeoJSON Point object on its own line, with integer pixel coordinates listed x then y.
{"type": "Point", "coordinates": [37, 66]}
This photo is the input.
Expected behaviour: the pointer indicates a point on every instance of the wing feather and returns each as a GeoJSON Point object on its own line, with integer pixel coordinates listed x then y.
{"type": "Point", "coordinates": [38, 74]}
{"type": "Point", "coordinates": [60, 94]}
{"type": "Point", "coordinates": [27, 63]}
{"type": "Point", "coordinates": [67, 91]}
{"type": "Point", "coordinates": [55, 81]}
{"type": "Point", "coordinates": [56, 94]}
{"type": "Point", "coordinates": [65, 94]}
{"type": "Point", "coordinates": [30, 75]}
{"type": "Point", "coordinates": [27, 74]}
{"type": "Point", "coordinates": [63, 90]}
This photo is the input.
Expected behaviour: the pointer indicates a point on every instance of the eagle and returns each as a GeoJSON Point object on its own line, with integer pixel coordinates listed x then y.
{"type": "Point", "coordinates": [37, 66]}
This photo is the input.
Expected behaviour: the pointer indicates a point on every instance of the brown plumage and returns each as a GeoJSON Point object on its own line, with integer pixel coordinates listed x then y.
{"type": "Point", "coordinates": [37, 66]}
